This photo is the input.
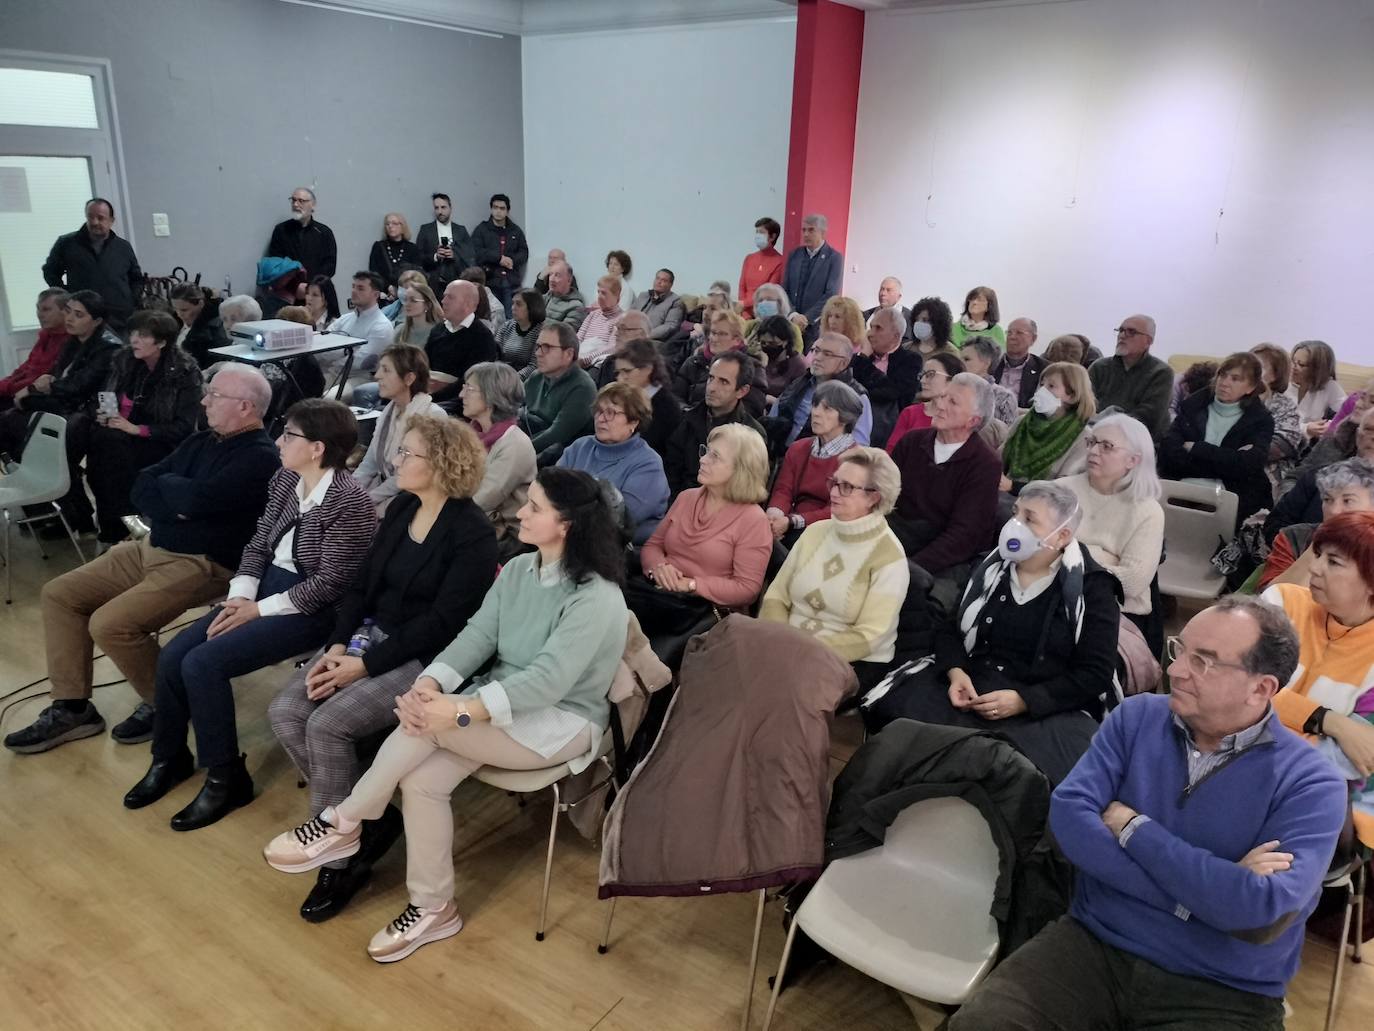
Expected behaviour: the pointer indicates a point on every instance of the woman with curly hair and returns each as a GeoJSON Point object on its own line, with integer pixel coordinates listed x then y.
{"type": "Point", "coordinates": [931, 326]}
{"type": "Point", "coordinates": [842, 315]}
{"type": "Point", "coordinates": [548, 638]}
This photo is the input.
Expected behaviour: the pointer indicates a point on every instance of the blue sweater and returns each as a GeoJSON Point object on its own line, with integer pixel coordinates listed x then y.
{"type": "Point", "coordinates": [1175, 895]}
{"type": "Point", "coordinates": [634, 468]}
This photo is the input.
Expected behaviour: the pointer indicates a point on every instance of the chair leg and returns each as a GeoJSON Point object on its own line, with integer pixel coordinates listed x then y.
{"type": "Point", "coordinates": [38, 538]}
{"type": "Point", "coordinates": [1360, 888]}
{"type": "Point", "coordinates": [67, 526]}
{"type": "Point", "coordinates": [754, 961]}
{"type": "Point", "coordinates": [1334, 997]}
{"type": "Point", "coordinates": [9, 563]}
{"type": "Point", "coordinates": [605, 942]}
{"type": "Point", "coordinates": [548, 862]}
{"type": "Point", "coordinates": [782, 971]}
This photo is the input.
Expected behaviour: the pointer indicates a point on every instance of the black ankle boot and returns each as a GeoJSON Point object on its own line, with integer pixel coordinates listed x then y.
{"type": "Point", "coordinates": [226, 788]}
{"type": "Point", "coordinates": [334, 889]}
{"type": "Point", "coordinates": [161, 777]}
{"type": "Point", "coordinates": [379, 835]}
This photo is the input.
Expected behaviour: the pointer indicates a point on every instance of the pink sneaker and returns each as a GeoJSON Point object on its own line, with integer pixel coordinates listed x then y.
{"type": "Point", "coordinates": [413, 928]}
{"type": "Point", "coordinates": [311, 845]}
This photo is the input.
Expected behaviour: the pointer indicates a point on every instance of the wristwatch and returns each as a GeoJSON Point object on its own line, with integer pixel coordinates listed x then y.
{"type": "Point", "coordinates": [462, 718]}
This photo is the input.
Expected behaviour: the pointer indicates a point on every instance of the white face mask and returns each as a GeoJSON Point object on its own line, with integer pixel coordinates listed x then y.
{"type": "Point", "coordinates": [1016, 542]}
{"type": "Point", "coordinates": [1044, 402]}
{"type": "Point", "coordinates": [760, 240]}
{"type": "Point", "coordinates": [921, 330]}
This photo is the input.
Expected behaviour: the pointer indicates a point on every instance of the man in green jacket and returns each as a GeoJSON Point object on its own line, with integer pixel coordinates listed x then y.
{"type": "Point", "coordinates": [563, 303]}
{"type": "Point", "coordinates": [559, 396]}
{"type": "Point", "coordinates": [1133, 380]}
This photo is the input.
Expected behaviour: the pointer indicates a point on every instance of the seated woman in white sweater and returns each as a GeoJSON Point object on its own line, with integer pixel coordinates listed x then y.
{"type": "Point", "coordinates": [845, 579]}
{"type": "Point", "coordinates": [402, 381]}
{"type": "Point", "coordinates": [555, 624]}
{"type": "Point", "coordinates": [1123, 523]}
{"type": "Point", "coordinates": [492, 395]}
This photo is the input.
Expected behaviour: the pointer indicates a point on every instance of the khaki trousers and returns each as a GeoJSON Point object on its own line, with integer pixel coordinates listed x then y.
{"type": "Point", "coordinates": [427, 769]}
{"type": "Point", "coordinates": [120, 601]}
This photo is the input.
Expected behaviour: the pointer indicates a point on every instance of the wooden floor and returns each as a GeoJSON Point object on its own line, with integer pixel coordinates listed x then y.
{"type": "Point", "coordinates": [110, 920]}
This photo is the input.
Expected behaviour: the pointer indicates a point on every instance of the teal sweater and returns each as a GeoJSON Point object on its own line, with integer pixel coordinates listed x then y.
{"type": "Point", "coordinates": [1221, 416]}
{"type": "Point", "coordinates": [563, 405]}
{"type": "Point", "coordinates": [556, 644]}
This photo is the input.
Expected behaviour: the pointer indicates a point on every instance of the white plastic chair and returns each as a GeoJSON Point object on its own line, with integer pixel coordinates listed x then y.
{"type": "Point", "coordinates": [913, 913]}
{"type": "Point", "coordinates": [42, 478]}
{"type": "Point", "coordinates": [1196, 519]}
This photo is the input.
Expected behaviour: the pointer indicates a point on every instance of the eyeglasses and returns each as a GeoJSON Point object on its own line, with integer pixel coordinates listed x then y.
{"type": "Point", "coordinates": [402, 453]}
{"type": "Point", "coordinates": [215, 395]}
{"type": "Point", "coordinates": [293, 433]}
{"type": "Point", "coordinates": [934, 374]}
{"type": "Point", "coordinates": [606, 413]}
{"type": "Point", "coordinates": [821, 352]}
{"type": "Point", "coordinates": [300, 200]}
{"type": "Point", "coordinates": [1198, 665]}
{"type": "Point", "coordinates": [705, 451]}
{"type": "Point", "coordinates": [1130, 331]}
{"type": "Point", "coordinates": [1105, 446]}
{"type": "Point", "coordinates": [546, 348]}
{"type": "Point", "coordinates": [846, 488]}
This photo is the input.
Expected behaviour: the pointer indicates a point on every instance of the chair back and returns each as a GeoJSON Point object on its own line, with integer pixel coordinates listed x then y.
{"type": "Point", "coordinates": [1197, 520]}
{"type": "Point", "coordinates": [42, 474]}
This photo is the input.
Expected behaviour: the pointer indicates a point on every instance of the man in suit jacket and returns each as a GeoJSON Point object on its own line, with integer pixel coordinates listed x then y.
{"type": "Point", "coordinates": [813, 276]}
{"type": "Point", "coordinates": [445, 247]}
{"type": "Point", "coordinates": [1018, 370]}
{"type": "Point", "coordinates": [890, 296]}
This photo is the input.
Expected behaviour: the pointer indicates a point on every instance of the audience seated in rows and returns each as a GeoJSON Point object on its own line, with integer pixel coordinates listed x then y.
{"type": "Point", "coordinates": [639, 363]}
{"type": "Point", "coordinates": [403, 383]}
{"type": "Point", "coordinates": [980, 353]}
{"type": "Point", "coordinates": [781, 347]}
{"type": "Point", "coordinates": [52, 338]}
{"type": "Point", "coordinates": [1303, 502]}
{"type": "Point", "coordinates": [521, 331]}
{"type": "Point", "coordinates": [801, 491]}
{"type": "Point", "coordinates": [663, 307]}
{"type": "Point", "coordinates": [763, 265]}
{"type": "Point", "coordinates": [394, 253]}
{"type": "Point", "coordinates": [460, 341]}
{"type": "Point", "coordinates": [830, 360]}
{"type": "Point", "coordinates": [1122, 523]}
{"type": "Point", "coordinates": [1343, 487]}
{"type": "Point", "coordinates": [811, 276]}
{"type": "Point", "coordinates": [1314, 387]}
{"type": "Point", "coordinates": [201, 327]}
{"type": "Point", "coordinates": [1049, 441]}
{"type": "Point", "coordinates": [980, 317]}
{"type": "Point", "coordinates": [432, 563]}
{"type": "Point", "coordinates": [310, 543]}
{"type": "Point", "coordinates": [492, 396]}
{"type": "Point", "coordinates": [1031, 651]}
{"type": "Point", "coordinates": [846, 577]}
{"type": "Point", "coordinates": [1133, 380]}
{"type": "Point", "coordinates": [1017, 369]}
{"type": "Point", "coordinates": [727, 387]}
{"type": "Point", "coordinates": [1345, 442]}
{"type": "Point", "coordinates": [725, 334]}
{"type": "Point", "coordinates": [559, 395]}
{"type": "Point", "coordinates": [553, 629]}
{"type": "Point", "coordinates": [888, 372]}
{"type": "Point", "coordinates": [1242, 860]}
{"type": "Point", "coordinates": [1222, 435]}
{"type": "Point", "coordinates": [201, 502]}
{"type": "Point", "coordinates": [616, 454]}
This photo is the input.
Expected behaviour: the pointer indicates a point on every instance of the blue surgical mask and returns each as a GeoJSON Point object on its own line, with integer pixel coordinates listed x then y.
{"type": "Point", "coordinates": [760, 241]}
{"type": "Point", "coordinates": [921, 330]}
{"type": "Point", "coordinates": [766, 309]}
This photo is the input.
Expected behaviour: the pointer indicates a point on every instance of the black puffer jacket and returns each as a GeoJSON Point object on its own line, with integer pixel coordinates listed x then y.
{"type": "Point", "coordinates": [81, 370]}
{"type": "Point", "coordinates": [166, 397]}
{"type": "Point", "coordinates": [206, 332]}
{"type": "Point", "coordinates": [1238, 461]}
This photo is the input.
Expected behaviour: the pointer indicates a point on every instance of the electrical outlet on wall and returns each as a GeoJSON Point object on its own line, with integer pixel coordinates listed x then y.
{"type": "Point", "coordinates": [161, 225]}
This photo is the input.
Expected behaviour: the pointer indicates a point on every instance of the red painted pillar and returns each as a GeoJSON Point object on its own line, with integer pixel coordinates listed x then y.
{"type": "Point", "coordinates": [825, 104]}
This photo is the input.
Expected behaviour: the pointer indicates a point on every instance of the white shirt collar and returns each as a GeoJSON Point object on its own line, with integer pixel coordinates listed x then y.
{"type": "Point", "coordinates": [462, 325]}
{"type": "Point", "coordinates": [316, 496]}
{"type": "Point", "coordinates": [1022, 595]}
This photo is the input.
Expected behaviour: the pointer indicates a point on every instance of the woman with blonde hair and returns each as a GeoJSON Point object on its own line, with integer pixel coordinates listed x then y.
{"type": "Point", "coordinates": [1048, 441]}
{"type": "Point", "coordinates": [394, 252]}
{"type": "Point", "coordinates": [842, 315]}
{"type": "Point", "coordinates": [432, 562]}
{"type": "Point", "coordinates": [420, 312]}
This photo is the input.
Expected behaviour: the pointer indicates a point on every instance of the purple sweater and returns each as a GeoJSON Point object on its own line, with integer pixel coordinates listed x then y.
{"type": "Point", "coordinates": [1175, 895]}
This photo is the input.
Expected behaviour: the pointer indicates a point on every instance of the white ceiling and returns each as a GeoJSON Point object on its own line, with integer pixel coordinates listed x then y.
{"type": "Point", "coordinates": [543, 17]}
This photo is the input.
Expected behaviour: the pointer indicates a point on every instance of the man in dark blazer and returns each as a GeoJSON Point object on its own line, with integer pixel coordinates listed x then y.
{"type": "Point", "coordinates": [812, 276]}
{"type": "Point", "coordinates": [445, 247]}
{"type": "Point", "coordinates": [94, 258]}
{"type": "Point", "coordinates": [1018, 370]}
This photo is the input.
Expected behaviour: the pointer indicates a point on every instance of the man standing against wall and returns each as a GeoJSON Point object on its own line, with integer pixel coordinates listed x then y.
{"type": "Point", "coordinates": [302, 238]}
{"type": "Point", "coordinates": [445, 247]}
{"type": "Point", "coordinates": [501, 251]}
{"type": "Point", "coordinates": [813, 275]}
{"type": "Point", "coordinates": [94, 258]}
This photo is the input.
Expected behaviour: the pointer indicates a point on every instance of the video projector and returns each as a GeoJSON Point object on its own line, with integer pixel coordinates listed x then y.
{"type": "Point", "coordinates": [272, 334]}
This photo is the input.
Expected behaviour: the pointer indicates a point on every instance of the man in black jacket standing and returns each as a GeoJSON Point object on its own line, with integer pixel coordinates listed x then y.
{"type": "Point", "coordinates": [501, 251]}
{"type": "Point", "coordinates": [94, 258]}
{"type": "Point", "coordinates": [445, 247]}
{"type": "Point", "coordinates": [302, 238]}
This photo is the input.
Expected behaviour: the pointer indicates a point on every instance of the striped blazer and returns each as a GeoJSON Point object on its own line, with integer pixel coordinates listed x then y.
{"type": "Point", "coordinates": [331, 542]}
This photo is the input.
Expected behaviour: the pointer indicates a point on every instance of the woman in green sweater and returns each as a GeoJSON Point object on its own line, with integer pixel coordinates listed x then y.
{"type": "Point", "coordinates": [555, 624]}
{"type": "Point", "coordinates": [1047, 442]}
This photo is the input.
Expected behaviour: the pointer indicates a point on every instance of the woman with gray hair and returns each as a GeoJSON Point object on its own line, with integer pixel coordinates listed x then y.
{"type": "Point", "coordinates": [801, 493]}
{"type": "Point", "coordinates": [1344, 487]}
{"type": "Point", "coordinates": [980, 354]}
{"type": "Point", "coordinates": [853, 612]}
{"type": "Point", "coordinates": [492, 396]}
{"type": "Point", "coordinates": [1123, 523]}
{"type": "Point", "coordinates": [1031, 652]}
{"type": "Point", "coordinates": [239, 308]}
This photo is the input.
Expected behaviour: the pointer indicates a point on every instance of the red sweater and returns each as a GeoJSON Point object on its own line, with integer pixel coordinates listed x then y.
{"type": "Point", "coordinates": [726, 553]}
{"type": "Point", "coordinates": [801, 487]}
{"type": "Point", "coordinates": [39, 362]}
{"type": "Point", "coordinates": [761, 267]}
{"type": "Point", "coordinates": [913, 417]}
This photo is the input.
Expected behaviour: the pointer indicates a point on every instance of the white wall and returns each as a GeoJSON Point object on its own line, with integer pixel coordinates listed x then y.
{"type": "Point", "coordinates": [1078, 156]}
{"type": "Point", "coordinates": [666, 143]}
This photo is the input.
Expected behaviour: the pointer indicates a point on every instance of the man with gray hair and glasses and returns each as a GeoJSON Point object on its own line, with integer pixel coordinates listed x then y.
{"type": "Point", "coordinates": [1132, 380]}
{"type": "Point", "coordinates": [308, 241]}
{"type": "Point", "coordinates": [812, 275]}
{"type": "Point", "coordinates": [1201, 829]}
{"type": "Point", "coordinates": [202, 502]}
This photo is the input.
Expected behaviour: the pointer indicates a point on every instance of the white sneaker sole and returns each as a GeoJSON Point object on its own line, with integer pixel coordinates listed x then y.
{"type": "Point", "coordinates": [327, 856]}
{"type": "Point", "coordinates": [437, 934]}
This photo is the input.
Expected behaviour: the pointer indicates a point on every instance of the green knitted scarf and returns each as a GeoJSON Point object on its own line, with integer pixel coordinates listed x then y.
{"type": "Point", "coordinates": [1037, 443]}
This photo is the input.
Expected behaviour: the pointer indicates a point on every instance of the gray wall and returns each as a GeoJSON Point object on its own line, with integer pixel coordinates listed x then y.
{"type": "Point", "coordinates": [225, 105]}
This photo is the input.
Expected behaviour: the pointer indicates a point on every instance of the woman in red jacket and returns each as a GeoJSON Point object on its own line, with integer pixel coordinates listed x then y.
{"type": "Point", "coordinates": [52, 337]}
{"type": "Point", "coordinates": [801, 495]}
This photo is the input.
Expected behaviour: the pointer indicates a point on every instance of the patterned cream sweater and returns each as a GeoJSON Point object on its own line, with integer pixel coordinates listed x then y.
{"type": "Point", "coordinates": [845, 583]}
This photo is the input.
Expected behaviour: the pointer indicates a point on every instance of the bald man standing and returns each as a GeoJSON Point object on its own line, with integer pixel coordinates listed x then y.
{"type": "Point", "coordinates": [1133, 380]}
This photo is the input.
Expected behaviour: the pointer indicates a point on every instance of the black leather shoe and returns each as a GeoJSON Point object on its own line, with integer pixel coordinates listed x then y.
{"type": "Point", "coordinates": [225, 789]}
{"type": "Point", "coordinates": [379, 835]}
{"type": "Point", "coordinates": [162, 777]}
{"type": "Point", "coordinates": [333, 890]}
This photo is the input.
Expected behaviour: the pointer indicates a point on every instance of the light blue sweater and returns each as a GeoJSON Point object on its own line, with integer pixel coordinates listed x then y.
{"type": "Point", "coordinates": [633, 468]}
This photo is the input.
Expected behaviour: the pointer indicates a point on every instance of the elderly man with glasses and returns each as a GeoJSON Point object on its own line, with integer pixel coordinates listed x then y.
{"type": "Point", "coordinates": [1132, 380]}
{"type": "Point", "coordinates": [558, 396]}
{"type": "Point", "coordinates": [202, 502]}
{"type": "Point", "coordinates": [303, 238]}
{"type": "Point", "coordinates": [830, 360]}
{"type": "Point", "coordinates": [1201, 830]}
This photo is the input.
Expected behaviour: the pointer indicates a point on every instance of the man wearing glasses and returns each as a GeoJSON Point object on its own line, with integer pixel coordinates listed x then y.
{"type": "Point", "coordinates": [558, 396]}
{"type": "Point", "coordinates": [830, 359]}
{"type": "Point", "coordinates": [1201, 829]}
{"type": "Point", "coordinates": [301, 237]}
{"type": "Point", "coordinates": [202, 502]}
{"type": "Point", "coordinates": [1133, 380]}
